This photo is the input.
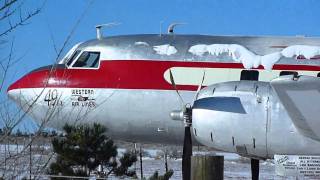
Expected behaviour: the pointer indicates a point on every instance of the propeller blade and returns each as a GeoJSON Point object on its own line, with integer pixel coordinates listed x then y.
{"type": "Point", "coordinates": [187, 144]}
{"type": "Point", "coordinates": [199, 87]}
{"type": "Point", "coordinates": [175, 88]}
{"type": "Point", "coordinates": [255, 169]}
{"type": "Point", "coordinates": [187, 153]}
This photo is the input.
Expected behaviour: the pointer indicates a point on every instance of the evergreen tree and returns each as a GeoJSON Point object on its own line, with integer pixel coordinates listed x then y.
{"type": "Point", "coordinates": [126, 161]}
{"type": "Point", "coordinates": [84, 148]}
{"type": "Point", "coordinates": [18, 133]}
{"type": "Point", "coordinates": [53, 133]}
{"type": "Point", "coordinates": [166, 175]}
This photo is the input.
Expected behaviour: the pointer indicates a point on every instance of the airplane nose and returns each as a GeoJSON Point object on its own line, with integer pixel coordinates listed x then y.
{"type": "Point", "coordinates": [10, 93]}
{"type": "Point", "coordinates": [31, 93]}
{"type": "Point", "coordinates": [19, 94]}
{"type": "Point", "coordinates": [38, 78]}
{"type": "Point", "coordinates": [12, 90]}
{"type": "Point", "coordinates": [31, 88]}
{"type": "Point", "coordinates": [34, 79]}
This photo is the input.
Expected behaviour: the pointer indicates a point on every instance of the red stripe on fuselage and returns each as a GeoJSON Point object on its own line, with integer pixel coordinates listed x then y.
{"type": "Point", "coordinates": [125, 74]}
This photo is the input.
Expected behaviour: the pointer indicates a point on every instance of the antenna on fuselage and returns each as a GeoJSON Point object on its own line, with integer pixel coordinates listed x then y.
{"type": "Point", "coordinates": [99, 28]}
{"type": "Point", "coordinates": [161, 28]}
{"type": "Point", "coordinates": [172, 26]}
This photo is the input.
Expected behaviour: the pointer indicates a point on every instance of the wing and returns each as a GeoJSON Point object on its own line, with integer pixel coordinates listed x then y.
{"type": "Point", "coordinates": [301, 98]}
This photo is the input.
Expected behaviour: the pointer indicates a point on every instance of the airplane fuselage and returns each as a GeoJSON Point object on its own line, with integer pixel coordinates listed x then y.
{"type": "Point", "coordinates": [129, 89]}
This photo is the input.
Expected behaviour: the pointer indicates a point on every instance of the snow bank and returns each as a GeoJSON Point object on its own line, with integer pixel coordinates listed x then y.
{"type": "Point", "coordinates": [140, 43]}
{"type": "Point", "coordinates": [250, 59]}
{"type": "Point", "coordinates": [304, 50]}
{"type": "Point", "coordinates": [165, 49]}
{"type": "Point", "coordinates": [11, 148]}
{"type": "Point", "coordinates": [198, 50]}
{"type": "Point", "coordinates": [238, 54]}
{"type": "Point", "coordinates": [267, 61]}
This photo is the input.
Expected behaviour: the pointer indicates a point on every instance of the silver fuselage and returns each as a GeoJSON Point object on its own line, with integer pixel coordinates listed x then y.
{"type": "Point", "coordinates": [135, 101]}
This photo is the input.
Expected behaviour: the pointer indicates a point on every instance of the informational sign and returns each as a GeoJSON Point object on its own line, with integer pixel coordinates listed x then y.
{"type": "Point", "coordinates": [297, 165]}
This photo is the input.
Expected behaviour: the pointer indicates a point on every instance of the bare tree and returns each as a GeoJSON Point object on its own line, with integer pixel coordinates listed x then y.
{"type": "Point", "coordinates": [11, 12]}
{"type": "Point", "coordinates": [18, 153]}
{"type": "Point", "coordinates": [13, 15]}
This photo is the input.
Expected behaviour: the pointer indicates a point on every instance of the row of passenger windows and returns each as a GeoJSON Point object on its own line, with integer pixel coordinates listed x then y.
{"type": "Point", "coordinates": [87, 59]}
{"type": "Point", "coordinates": [253, 75]}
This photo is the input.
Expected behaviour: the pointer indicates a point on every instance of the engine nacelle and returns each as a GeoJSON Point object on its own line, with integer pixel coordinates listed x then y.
{"type": "Point", "coordinates": [247, 118]}
{"type": "Point", "coordinates": [232, 117]}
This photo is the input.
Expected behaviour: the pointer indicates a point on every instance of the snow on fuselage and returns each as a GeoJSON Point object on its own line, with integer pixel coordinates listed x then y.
{"type": "Point", "coordinates": [128, 88]}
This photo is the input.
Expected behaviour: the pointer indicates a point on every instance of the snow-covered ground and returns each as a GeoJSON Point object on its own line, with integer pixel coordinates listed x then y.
{"type": "Point", "coordinates": [235, 167]}
{"type": "Point", "coordinates": [16, 160]}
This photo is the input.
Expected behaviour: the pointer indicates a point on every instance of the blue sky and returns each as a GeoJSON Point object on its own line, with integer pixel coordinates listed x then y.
{"type": "Point", "coordinates": [219, 17]}
{"type": "Point", "coordinates": [224, 17]}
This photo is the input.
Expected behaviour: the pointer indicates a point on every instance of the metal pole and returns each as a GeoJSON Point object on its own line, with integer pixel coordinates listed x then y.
{"type": "Point", "coordinates": [141, 170]}
{"type": "Point", "coordinates": [135, 153]}
{"type": "Point", "coordinates": [166, 159]}
{"type": "Point", "coordinates": [30, 159]}
{"type": "Point", "coordinates": [5, 155]}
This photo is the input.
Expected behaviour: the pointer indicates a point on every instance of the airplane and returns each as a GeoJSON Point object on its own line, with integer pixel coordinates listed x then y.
{"type": "Point", "coordinates": [251, 95]}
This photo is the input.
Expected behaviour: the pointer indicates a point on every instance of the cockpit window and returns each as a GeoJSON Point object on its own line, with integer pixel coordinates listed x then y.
{"type": "Point", "coordinates": [71, 52]}
{"type": "Point", "coordinates": [88, 59]}
{"type": "Point", "coordinates": [75, 54]}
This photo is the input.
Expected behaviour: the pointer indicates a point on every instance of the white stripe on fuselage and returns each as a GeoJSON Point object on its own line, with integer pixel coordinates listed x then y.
{"type": "Point", "coordinates": [193, 76]}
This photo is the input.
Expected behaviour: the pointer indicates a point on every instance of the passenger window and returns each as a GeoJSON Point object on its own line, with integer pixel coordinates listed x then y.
{"type": "Point", "coordinates": [250, 75]}
{"type": "Point", "coordinates": [88, 59]}
{"type": "Point", "coordinates": [284, 73]}
{"type": "Point", "coordinates": [318, 75]}
{"type": "Point", "coordinates": [75, 54]}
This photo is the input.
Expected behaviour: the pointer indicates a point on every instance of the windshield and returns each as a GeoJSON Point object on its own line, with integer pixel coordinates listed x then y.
{"type": "Point", "coordinates": [88, 59]}
{"type": "Point", "coordinates": [69, 54]}
{"type": "Point", "coordinates": [75, 54]}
